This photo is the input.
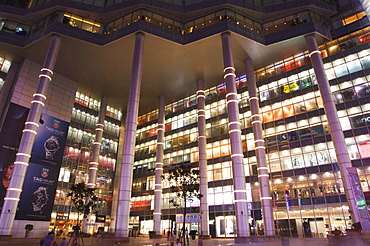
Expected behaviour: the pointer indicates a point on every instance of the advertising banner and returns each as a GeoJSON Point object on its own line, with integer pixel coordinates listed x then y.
{"type": "Point", "coordinates": [37, 197]}
{"type": "Point", "coordinates": [50, 141]}
{"type": "Point", "coordinates": [41, 179]}
{"type": "Point", "coordinates": [38, 193]}
{"type": "Point", "coordinates": [140, 206]}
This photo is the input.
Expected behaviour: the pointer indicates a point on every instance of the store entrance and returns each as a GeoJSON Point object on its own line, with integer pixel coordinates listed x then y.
{"type": "Point", "coordinates": [225, 226]}
{"type": "Point", "coordinates": [189, 227]}
{"type": "Point", "coordinates": [192, 224]}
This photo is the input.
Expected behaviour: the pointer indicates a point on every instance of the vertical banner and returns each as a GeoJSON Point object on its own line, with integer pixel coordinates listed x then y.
{"type": "Point", "coordinates": [39, 187]}
{"type": "Point", "coordinates": [359, 198]}
{"type": "Point", "coordinates": [37, 198]}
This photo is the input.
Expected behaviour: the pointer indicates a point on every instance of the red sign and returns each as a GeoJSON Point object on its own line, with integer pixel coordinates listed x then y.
{"type": "Point", "coordinates": [365, 38]}
{"type": "Point", "coordinates": [140, 206]}
{"type": "Point", "coordinates": [290, 66]}
{"type": "Point", "coordinates": [364, 150]}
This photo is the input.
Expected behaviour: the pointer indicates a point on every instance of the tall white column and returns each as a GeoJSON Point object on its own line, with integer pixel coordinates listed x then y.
{"type": "Point", "coordinates": [259, 143]}
{"type": "Point", "coordinates": [240, 193]}
{"type": "Point", "coordinates": [93, 169]}
{"type": "Point", "coordinates": [202, 147]}
{"type": "Point", "coordinates": [336, 133]}
{"type": "Point", "coordinates": [159, 168]}
{"type": "Point", "coordinates": [123, 208]}
{"type": "Point", "coordinates": [28, 137]}
{"type": "Point", "coordinates": [117, 175]}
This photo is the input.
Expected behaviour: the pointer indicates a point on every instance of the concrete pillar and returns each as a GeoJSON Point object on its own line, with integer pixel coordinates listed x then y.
{"type": "Point", "coordinates": [259, 143]}
{"type": "Point", "coordinates": [117, 176]}
{"type": "Point", "coordinates": [97, 143]}
{"type": "Point", "coordinates": [202, 147]}
{"type": "Point", "coordinates": [28, 137]}
{"type": "Point", "coordinates": [123, 208]}
{"type": "Point", "coordinates": [336, 132]}
{"type": "Point", "coordinates": [159, 168]}
{"type": "Point", "coordinates": [93, 169]}
{"type": "Point", "coordinates": [240, 195]}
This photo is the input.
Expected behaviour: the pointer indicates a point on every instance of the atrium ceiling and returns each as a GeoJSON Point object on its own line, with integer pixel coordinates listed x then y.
{"type": "Point", "coordinates": [169, 69]}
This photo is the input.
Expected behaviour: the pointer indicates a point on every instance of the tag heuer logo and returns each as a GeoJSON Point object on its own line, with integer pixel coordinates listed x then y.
{"type": "Point", "coordinates": [45, 172]}
{"type": "Point", "coordinates": [56, 123]}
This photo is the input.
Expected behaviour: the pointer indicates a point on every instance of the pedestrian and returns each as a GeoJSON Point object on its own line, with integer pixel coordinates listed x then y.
{"type": "Point", "coordinates": [337, 232]}
{"type": "Point", "coordinates": [178, 243]}
{"type": "Point", "coordinates": [64, 242]}
{"type": "Point", "coordinates": [200, 241]}
{"type": "Point", "coordinates": [49, 239]}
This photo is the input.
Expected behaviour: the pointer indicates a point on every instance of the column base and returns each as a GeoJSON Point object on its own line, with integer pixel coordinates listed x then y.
{"type": "Point", "coordinates": [156, 236]}
{"type": "Point", "coordinates": [6, 237]}
{"type": "Point", "coordinates": [271, 240]}
{"type": "Point", "coordinates": [205, 237]}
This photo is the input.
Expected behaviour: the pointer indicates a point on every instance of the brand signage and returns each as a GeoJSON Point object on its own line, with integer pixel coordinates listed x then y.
{"type": "Point", "coordinates": [290, 66]}
{"type": "Point", "coordinates": [100, 219]}
{"type": "Point", "coordinates": [140, 206]}
{"type": "Point", "coordinates": [40, 182]}
{"type": "Point", "coordinates": [189, 218]}
{"type": "Point", "coordinates": [361, 120]}
{"type": "Point", "coordinates": [365, 38]}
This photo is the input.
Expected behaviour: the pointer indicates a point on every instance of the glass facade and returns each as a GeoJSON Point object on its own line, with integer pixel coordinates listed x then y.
{"type": "Point", "coordinates": [92, 25]}
{"type": "Point", "coordinates": [306, 186]}
{"type": "Point", "coordinates": [78, 154]}
{"type": "Point", "coordinates": [307, 190]}
{"type": "Point", "coordinates": [4, 68]}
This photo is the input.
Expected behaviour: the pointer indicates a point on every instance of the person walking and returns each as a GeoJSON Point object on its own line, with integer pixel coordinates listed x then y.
{"type": "Point", "coordinates": [64, 242]}
{"type": "Point", "coordinates": [178, 242]}
{"type": "Point", "coordinates": [200, 241]}
{"type": "Point", "coordinates": [49, 239]}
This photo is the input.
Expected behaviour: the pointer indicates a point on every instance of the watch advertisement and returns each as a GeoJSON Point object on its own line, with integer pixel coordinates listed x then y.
{"type": "Point", "coordinates": [37, 198]}
{"type": "Point", "coordinates": [50, 140]}
{"type": "Point", "coordinates": [38, 191]}
{"type": "Point", "coordinates": [40, 183]}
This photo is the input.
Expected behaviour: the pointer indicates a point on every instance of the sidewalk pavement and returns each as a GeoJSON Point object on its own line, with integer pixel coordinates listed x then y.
{"type": "Point", "coordinates": [139, 241]}
{"type": "Point", "coordinates": [146, 241]}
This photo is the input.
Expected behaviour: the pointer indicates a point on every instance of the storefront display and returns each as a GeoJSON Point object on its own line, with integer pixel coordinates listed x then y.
{"type": "Point", "coordinates": [225, 226]}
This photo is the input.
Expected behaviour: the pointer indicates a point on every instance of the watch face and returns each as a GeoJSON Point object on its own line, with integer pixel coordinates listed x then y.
{"type": "Point", "coordinates": [39, 199]}
{"type": "Point", "coordinates": [51, 147]}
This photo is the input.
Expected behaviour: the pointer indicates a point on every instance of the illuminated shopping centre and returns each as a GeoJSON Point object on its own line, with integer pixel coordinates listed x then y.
{"type": "Point", "coordinates": [269, 99]}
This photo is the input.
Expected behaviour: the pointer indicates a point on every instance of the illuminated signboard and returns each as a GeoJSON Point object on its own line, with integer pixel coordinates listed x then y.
{"type": "Point", "coordinates": [290, 66]}
{"type": "Point", "coordinates": [364, 38]}
{"type": "Point", "coordinates": [140, 206]}
{"type": "Point", "coordinates": [359, 198]}
{"type": "Point", "coordinates": [189, 218]}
